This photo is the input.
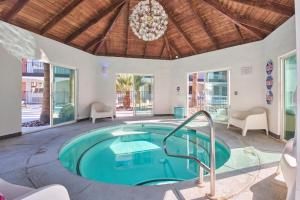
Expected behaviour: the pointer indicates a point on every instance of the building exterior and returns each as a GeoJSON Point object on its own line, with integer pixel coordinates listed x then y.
{"type": "Point", "coordinates": [209, 91]}
{"type": "Point", "coordinates": [32, 82]}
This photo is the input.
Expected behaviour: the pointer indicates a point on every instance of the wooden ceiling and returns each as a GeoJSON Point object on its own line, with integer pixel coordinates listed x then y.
{"type": "Point", "coordinates": [101, 27]}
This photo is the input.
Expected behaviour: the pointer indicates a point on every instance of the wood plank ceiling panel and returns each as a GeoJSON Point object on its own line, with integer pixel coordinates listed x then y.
{"type": "Point", "coordinates": [190, 25]}
{"type": "Point", "coordinates": [35, 13]}
{"type": "Point", "coordinates": [135, 45]}
{"type": "Point", "coordinates": [95, 30]}
{"type": "Point", "coordinates": [154, 48]}
{"type": "Point", "coordinates": [5, 7]}
{"type": "Point", "coordinates": [78, 17]}
{"type": "Point", "coordinates": [116, 38]}
{"type": "Point", "coordinates": [256, 13]}
{"type": "Point", "coordinates": [223, 33]}
{"type": "Point", "coordinates": [195, 26]}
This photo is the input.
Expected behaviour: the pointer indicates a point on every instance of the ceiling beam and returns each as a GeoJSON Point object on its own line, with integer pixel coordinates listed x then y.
{"type": "Point", "coordinates": [15, 9]}
{"type": "Point", "coordinates": [168, 47]}
{"type": "Point", "coordinates": [262, 26]}
{"type": "Point", "coordinates": [37, 31]}
{"type": "Point", "coordinates": [105, 47]}
{"type": "Point", "coordinates": [179, 29]}
{"type": "Point", "coordinates": [100, 38]}
{"type": "Point", "coordinates": [245, 23]}
{"type": "Point", "coordinates": [2, 1]}
{"type": "Point", "coordinates": [236, 27]}
{"type": "Point", "coordinates": [269, 5]}
{"type": "Point", "coordinates": [203, 25]}
{"type": "Point", "coordinates": [131, 56]}
{"type": "Point", "coordinates": [185, 37]}
{"type": "Point", "coordinates": [127, 28]}
{"type": "Point", "coordinates": [60, 16]}
{"type": "Point", "coordinates": [94, 20]}
{"type": "Point", "coordinates": [109, 28]}
{"type": "Point", "coordinates": [175, 50]}
{"type": "Point", "coordinates": [95, 49]}
{"type": "Point", "coordinates": [162, 49]}
{"type": "Point", "coordinates": [145, 49]}
{"type": "Point", "coordinates": [173, 47]}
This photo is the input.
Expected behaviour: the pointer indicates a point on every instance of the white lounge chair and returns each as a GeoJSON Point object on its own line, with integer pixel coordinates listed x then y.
{"type": "Point", "coordinates": [17, 192]}
{"type": "Point", "coordinates": [100, 110]}
{"type": "Point", "coordinates": [287, 170]}
{"type": "Point", "coordinates": [253, 119]}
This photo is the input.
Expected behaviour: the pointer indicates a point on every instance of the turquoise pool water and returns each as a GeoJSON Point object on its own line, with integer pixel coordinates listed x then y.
{"type": "Point", "coordinates": [133, 155]}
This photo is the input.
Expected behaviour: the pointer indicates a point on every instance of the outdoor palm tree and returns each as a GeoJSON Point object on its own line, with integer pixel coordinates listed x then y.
{"type": "Point", "coordinates": [138, 83]}
{"type": "Point", "coordinates": [45, 114]}
{"type": "Point", "coordinates": [194, 89]}
{"type": "Point", "coordinates": [124, 83]}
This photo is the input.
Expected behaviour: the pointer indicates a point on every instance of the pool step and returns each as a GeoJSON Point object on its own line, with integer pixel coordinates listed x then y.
{"type": "Point", "coordinates": [158, 182]}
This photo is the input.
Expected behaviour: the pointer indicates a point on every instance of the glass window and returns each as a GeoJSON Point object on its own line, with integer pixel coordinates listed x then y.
{"type": "Point", "coordinates": [63, 95]}
{"type": "Point", "coordinates": [290, 86]}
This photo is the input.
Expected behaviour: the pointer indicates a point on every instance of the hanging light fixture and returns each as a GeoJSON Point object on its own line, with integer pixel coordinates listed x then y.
{"type": "Point", "coordinates": [148, 20]}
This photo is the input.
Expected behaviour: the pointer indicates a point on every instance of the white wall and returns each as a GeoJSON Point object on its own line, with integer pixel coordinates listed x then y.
{"type": "Point", "coordinates": [23, 44]}
{"type": "Point", "coordinates": [10, 82]}
{"type": "Point", "coordinates": [160, 70]}
{"type": "Point", "coordinates": [16, 43]}
{"type": "Point", "coordinates": [277, 44]}
{"type": "Point", "coordinates": [251, 87]}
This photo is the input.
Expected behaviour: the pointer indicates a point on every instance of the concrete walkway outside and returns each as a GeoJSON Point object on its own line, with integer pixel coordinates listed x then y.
{"type": "Point", "coordinates": [31, 112]}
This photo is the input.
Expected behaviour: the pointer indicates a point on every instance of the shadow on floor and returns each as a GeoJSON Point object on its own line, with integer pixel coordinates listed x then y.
{"type": "Point", "coordinates": [268, 188]}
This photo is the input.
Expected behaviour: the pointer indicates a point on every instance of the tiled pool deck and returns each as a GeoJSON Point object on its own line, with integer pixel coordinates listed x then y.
{"type": "Point", "coordinates": [32, 160]}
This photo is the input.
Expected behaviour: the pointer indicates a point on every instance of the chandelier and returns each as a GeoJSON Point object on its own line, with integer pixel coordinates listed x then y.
{"type": "Point", "coordinates": [148, 20]}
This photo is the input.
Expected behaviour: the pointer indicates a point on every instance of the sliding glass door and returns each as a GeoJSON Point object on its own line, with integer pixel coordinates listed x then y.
{"type": "Point", "coordinates": [143, 104]}
{"type": "Point", "coordinates": [216, 90]}
{"type": "Point", "coordinates": [209, 91]}
{"type": "Point", "coordinates": [134, 95]}
{"type": "Point", "coordinates": [290, 87]}
{"type": "Point", "coordinates": [63, 95]}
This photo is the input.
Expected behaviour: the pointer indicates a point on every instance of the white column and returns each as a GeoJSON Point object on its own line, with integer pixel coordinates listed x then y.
{"type": "Point", "coordinates": [297, 14]}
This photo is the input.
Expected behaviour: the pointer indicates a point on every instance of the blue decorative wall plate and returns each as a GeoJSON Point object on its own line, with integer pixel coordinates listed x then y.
{"type": "Point", "coordinates": [269, 67]}
{"type": "Point", "coordinates": [269, 97]}
{"type": "Point", "coordinates": [269, 82]}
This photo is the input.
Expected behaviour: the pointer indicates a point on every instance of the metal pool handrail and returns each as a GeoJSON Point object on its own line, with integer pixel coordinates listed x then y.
{"type": "Point", "coordinates": [211, 168]}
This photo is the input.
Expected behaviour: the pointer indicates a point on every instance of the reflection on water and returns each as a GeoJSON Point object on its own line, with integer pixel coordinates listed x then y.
{"type": "Point", "coordinates": [138, 158]}
{"type": "Point", "coordinates": [132, 147]}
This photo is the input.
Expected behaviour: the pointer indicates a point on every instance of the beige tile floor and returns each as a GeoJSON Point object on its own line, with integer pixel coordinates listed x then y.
{"type": "Point", "coordinates": [32, 160]}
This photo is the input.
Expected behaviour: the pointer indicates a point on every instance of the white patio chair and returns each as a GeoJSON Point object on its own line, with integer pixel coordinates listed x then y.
{"type": "Point", "coordinates": [17, 192]}
{"type": "Point", "coordinates": [100, 110]}
{"type": "Point", "coordinates": [253, 119]}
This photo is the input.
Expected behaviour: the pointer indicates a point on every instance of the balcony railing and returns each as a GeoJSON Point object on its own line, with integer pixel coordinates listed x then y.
{"type": "Point", "coordinates": [36, 68]}
{"type": "Point", "coordinates": [32, 67]}
{"type": "Point", "coordinates": [30, 98]}
{"type": "Point", "coordinates": [211, 100]}
{"type": "Point", "coordinates": [217, 106]}
{"type": "Point", "coordinates": [138, 99]}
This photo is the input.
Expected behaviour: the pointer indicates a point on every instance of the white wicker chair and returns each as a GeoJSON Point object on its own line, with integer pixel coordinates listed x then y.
{"type": "Point", "coordinates": [253, 119]}
{"type": "Point", "coordinates": [17, 192]}
{"type": "Point", "coordinates": [100, 110]}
